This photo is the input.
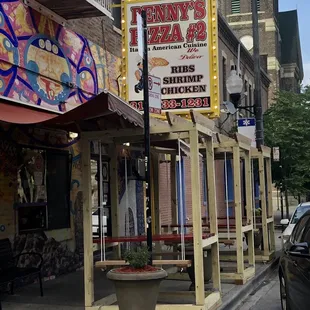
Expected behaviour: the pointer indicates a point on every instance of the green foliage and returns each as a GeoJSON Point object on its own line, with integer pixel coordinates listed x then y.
{"type": "Point", "coordinates": [258, 211]}
{"type": "Point", "coordinates": [287, 125]}
{"type": "Point", "coordinates": [137, 259]}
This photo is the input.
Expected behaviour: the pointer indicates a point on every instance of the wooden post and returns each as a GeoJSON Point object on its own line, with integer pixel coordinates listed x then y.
{"type": "Point", "coordinates": [197, 222]}
{"type": "Point", "coordinates": [270, 204]}
{"type": "Point", "coordinates": [173, 191]}
{"type": "Point", "coordinates": [213, 213]}
{"type": "Point", "coordinates": [263, 202]}
{"type": "Point", "coordinates": [269, 187]}
{"type": "Point", "coordinates": [249, 206]}
{"type": "Point", "coordinates": [113, 153]}
{"type": "Point", "coordinates": [87, 224]}
{"type": "Point", "coordinates": [238, 209]}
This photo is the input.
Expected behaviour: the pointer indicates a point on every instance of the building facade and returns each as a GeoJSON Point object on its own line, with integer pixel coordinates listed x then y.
{"type": "Point", "coordinates": [56, 62]}
{"type": "Point", "coordinates": [273, 35]}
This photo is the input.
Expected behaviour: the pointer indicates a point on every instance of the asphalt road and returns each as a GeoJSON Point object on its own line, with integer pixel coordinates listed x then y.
{"type": "Point", "coordinates": [264, 297]}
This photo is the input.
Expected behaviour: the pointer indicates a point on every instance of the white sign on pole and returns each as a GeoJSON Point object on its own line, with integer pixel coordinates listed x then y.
{"type": "Point", "coordinates": [276, 154]}
{"type": "Point", "coordinates": [154, 94]}
{"type": "Point", "coordinates": [140, 35]}
{"type": "Point", "coordinates": [246, 127]}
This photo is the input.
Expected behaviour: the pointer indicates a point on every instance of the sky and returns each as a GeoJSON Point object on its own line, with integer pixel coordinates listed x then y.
{"type": "Point", "coordinates": [303, 8]}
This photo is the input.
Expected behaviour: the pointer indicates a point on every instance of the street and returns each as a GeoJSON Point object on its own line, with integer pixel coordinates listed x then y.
{"type": "Point", "coordinates": [266, 296]}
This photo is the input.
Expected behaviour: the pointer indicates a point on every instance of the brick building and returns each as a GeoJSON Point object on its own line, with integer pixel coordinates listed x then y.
{"type": "Point", "coordinates": [228, 51]}
{"type": "Point", "coordinates": [279, 39]}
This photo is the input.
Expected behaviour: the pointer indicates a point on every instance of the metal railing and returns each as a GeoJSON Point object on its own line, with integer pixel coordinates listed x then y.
{"type": "Point", "coordinates": [105, 4]}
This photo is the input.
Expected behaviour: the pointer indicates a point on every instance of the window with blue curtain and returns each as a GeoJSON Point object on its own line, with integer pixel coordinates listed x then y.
{"type": "Point", "coordinates": [230, 185]}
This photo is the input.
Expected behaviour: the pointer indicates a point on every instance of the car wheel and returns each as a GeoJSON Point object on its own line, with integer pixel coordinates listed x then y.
{"type": "Point", "coordinates": [283, 293]}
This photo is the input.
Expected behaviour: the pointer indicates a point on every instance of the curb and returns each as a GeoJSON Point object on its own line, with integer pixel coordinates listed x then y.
{"type": "Point", "coordinates": [239, 293]}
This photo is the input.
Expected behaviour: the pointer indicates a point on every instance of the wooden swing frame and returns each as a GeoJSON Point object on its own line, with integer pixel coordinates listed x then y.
{"type": "Point", "coordinates": [174, 128]}
{"type": "Point", "coordinates": [267, 224]}
{"type": "Point", "coordinates": [240, 147]}
{"type": "Point", "coordinates": [264, 163]}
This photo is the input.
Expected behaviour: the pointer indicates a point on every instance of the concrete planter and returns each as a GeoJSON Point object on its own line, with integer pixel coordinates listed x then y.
{"type": "Point", "coordinates": [258, 239]}
{"type": "Point", "coordinates": [207, 264]}
{"type": "Point", "coordinates": [207, 267]}
{"type": "Point", "coordinates": [135, 291]}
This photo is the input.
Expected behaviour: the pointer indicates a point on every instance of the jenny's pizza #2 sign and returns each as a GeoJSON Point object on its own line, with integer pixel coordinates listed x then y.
{"type": "Point", "coordinates": [178, 53]}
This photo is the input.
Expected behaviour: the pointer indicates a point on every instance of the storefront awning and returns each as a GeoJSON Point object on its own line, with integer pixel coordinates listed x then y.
{"type": "Point", "coordinates": [100, 113]}
{"type": "Point", "coordinates": [103, 112]}
{"type": "Point", "coordinates": [14, 113]}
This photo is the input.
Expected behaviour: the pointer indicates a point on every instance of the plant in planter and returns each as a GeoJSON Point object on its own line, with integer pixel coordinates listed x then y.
{"type": "Point", "coordinates": [258, 212]}
{"type": "Point", "coordinates": [137, 284]}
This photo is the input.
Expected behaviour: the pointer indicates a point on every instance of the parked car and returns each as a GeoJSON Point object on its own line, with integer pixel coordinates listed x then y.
{"type": "Point", "coordinates": [95, 220]}
{"type": "Point", "coordinates": [298, 213]}
{"type": "Point", "coordinates": [294, 267]}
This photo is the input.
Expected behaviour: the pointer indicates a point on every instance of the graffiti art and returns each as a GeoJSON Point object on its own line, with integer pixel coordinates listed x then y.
{"type": "Point", "coordinates": [48, 65]}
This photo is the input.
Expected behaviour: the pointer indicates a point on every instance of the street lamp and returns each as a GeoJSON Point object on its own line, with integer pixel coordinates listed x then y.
{"type": "Point", "coordinates": [234, 85]}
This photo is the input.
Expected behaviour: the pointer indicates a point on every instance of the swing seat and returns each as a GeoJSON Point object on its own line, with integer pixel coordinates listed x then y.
{"type": "Point", "coordinates": [174, 238]}
{"type": "Point", "coordinates": [228, 242]}
{"type": "Point", "coordinates": [156, 262]}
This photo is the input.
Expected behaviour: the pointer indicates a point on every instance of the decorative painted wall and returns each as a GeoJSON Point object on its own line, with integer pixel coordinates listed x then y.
{"type": "Point", "coordinates": [45, 64]}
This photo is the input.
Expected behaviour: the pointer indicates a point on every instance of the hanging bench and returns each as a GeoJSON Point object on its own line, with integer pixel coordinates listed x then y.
{"type": "Point", "coordinates": [172, 238]}
{"type": "Point", "coordinates": [156, 262]}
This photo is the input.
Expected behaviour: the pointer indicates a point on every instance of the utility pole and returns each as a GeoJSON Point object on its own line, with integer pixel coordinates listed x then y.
{"type": "Point", "coordinates": [147, 144]}
{"type": "Point", "coordinates": [257, 79]}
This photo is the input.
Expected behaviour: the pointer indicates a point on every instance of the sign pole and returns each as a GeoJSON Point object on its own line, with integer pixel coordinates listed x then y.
{"type": "Point", "coordinates": [147, 145]}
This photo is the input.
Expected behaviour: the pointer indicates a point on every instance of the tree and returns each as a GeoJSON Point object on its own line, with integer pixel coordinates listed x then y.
{"type": "Point", "coordinates": [287, 126]}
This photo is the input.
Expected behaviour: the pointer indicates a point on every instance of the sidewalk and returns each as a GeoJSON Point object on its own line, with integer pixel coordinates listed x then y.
{"type": "Point", "coordinates": [67, 292]}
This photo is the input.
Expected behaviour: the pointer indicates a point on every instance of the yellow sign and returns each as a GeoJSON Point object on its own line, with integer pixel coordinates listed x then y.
{"type": "Point", "coordinates": [182, 51]}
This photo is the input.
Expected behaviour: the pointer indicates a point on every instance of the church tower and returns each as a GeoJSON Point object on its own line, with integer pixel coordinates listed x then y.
{"type": "Point", "coordinates": [238, 14]}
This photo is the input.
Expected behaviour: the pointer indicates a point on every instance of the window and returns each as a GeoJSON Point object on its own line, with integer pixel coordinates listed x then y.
{"type": "Point", "coordinates": [251, 100]}
{"type": "Point", "coordinates": [235, 6]}
{"type": "Point", "coordinates": [246, 93]}
{"type": "Point", "coordinates": [224, 79]}
{"type": "Point", "coordinates": [44, 179]}
{"type": "Point", "coordinates": [306, 236]}
{"type": "Point", "coordinates": [299, 212]}
{"type": "Point", "coordinates": [258, 5]}
{"type": "Point", "coordinates": [299, 229]}
{"type": "Point", "coordinates": [116, 13]}
{"type": "Point", "coordinates": [58, 179]}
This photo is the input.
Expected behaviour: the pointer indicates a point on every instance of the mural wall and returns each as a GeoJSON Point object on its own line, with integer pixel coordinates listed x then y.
{"type": "Point", "coordinates": [45, 64]}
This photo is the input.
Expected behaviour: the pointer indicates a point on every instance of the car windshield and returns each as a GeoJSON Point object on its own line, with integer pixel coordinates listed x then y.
{"type": "Point", "coordinates": [299, 213]}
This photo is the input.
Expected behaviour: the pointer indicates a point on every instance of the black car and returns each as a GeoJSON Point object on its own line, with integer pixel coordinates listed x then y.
{"type": "Point", "coordinates": [294, 267]}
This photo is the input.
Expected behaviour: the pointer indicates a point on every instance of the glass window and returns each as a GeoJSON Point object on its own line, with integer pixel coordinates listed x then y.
{"type": "Point", "coordinates": [258, 5]}
{"type": "Point", "coordinates": [224, 79]}
{"type": "Point", "coordinates": [246, 98]}
{"type": "Point", "coordinates": [306, 234]}
{"type": "Point", "coordinates": [116, 13]}
{"type": "Point", "coordinates": [298, 230]}
{"type": "Point", "coordinates": [251, 101]}
{"type": "Point", "coordinates": [44, 181]}
{"type": "Point", "coordinates": [235, 6]}
{"type": "Point", "coordinates": [299, 212]}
